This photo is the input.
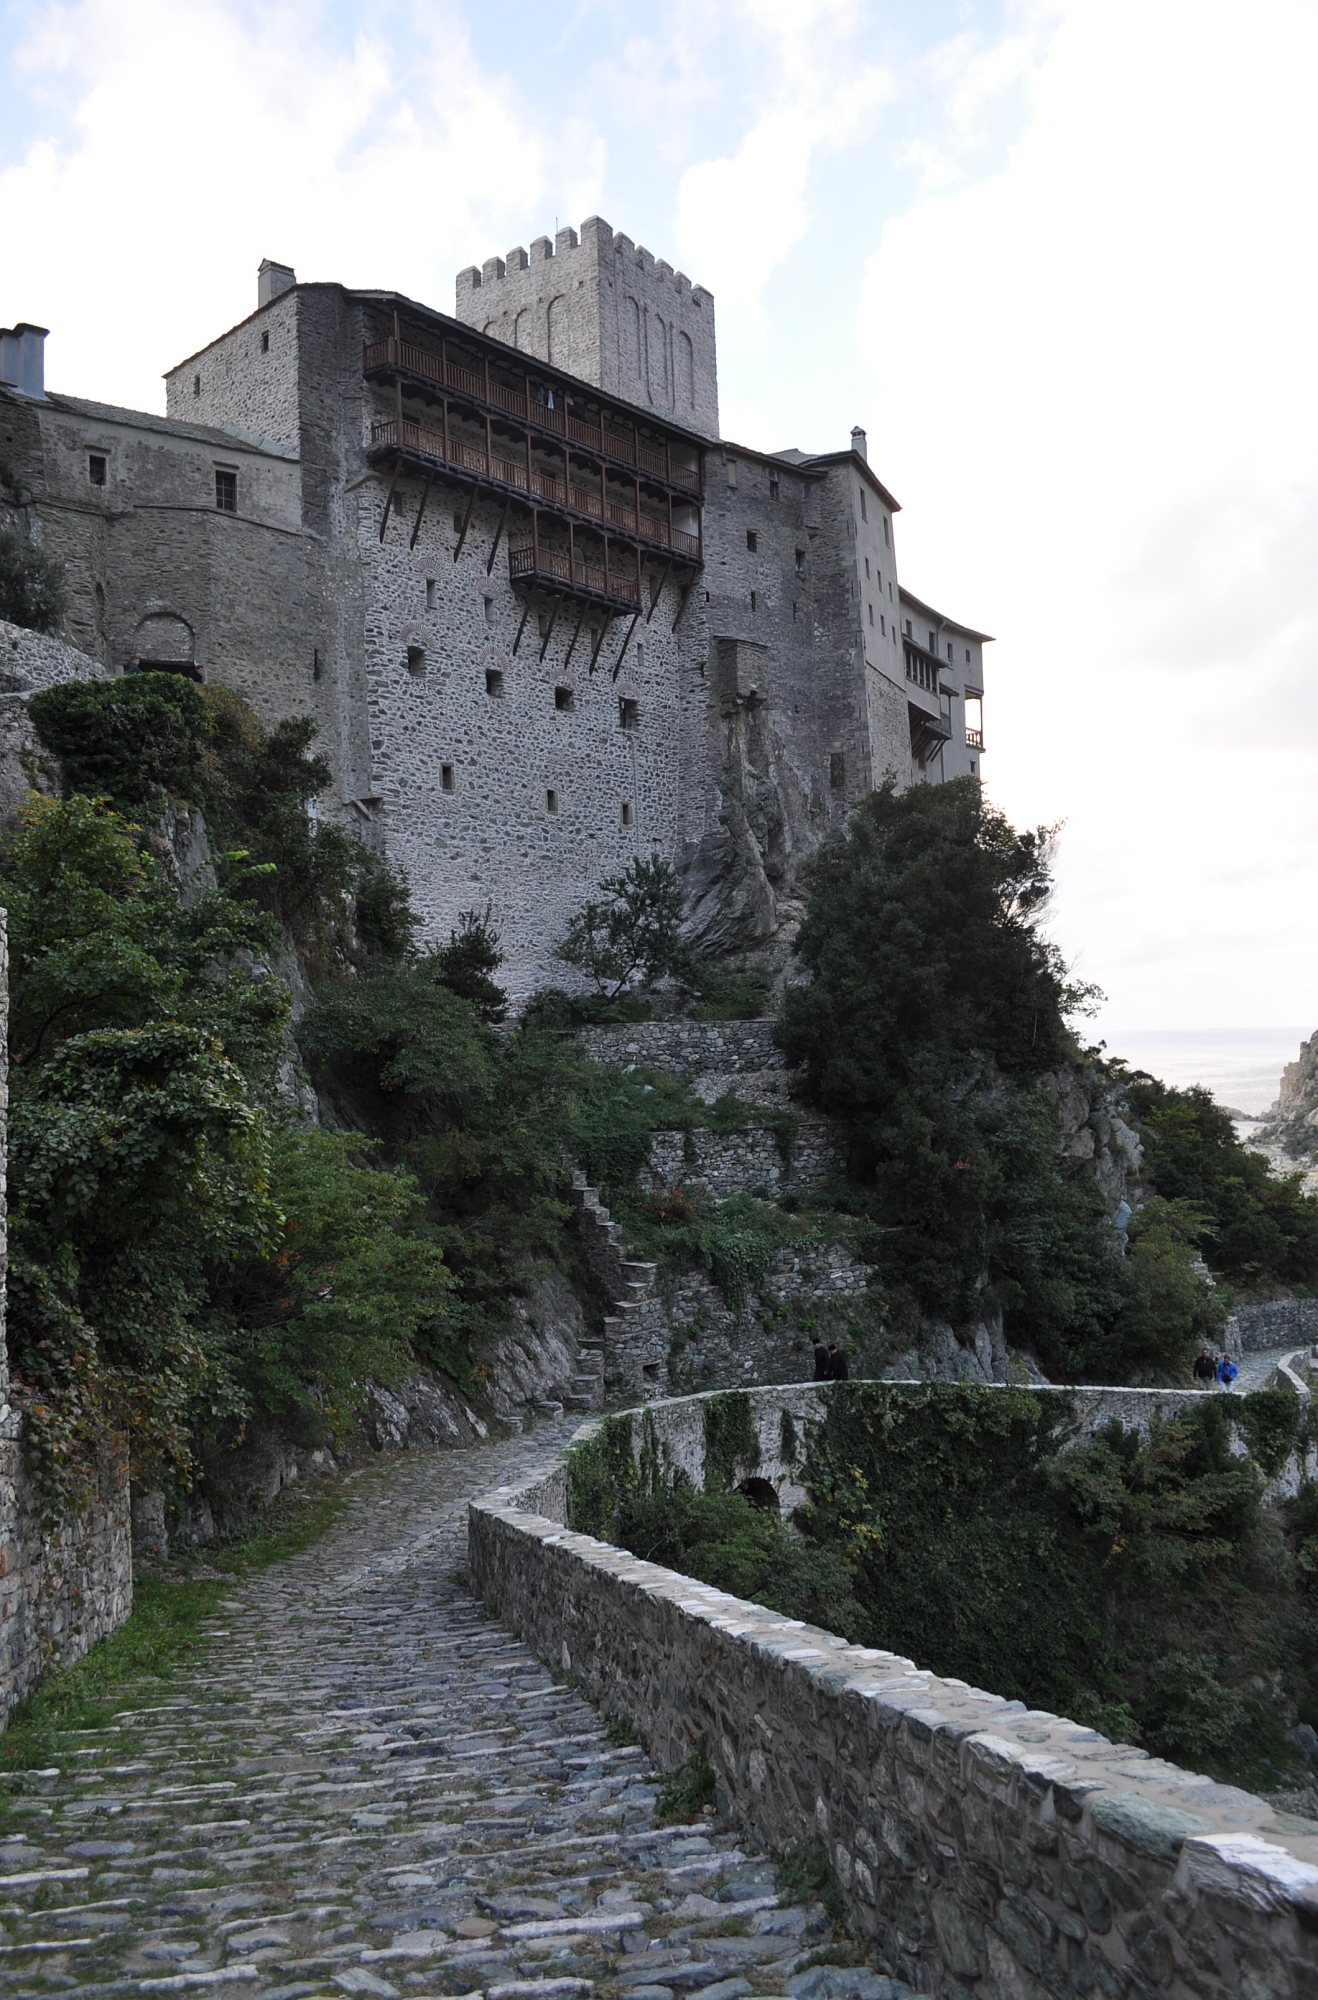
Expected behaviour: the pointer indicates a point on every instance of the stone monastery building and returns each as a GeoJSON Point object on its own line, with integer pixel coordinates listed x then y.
{"type": "Point", "coordinates": [546, 617]}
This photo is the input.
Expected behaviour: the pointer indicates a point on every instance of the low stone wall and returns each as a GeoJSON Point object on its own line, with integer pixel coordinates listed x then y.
{"type": "Point", "coordinates": [996, 1852]}
{"type": "Point", "coordinates": [686, 1048]}
{"type": "Point", "coordinates": [1272, 1323]}
{"type": "Point", "coordinates": [725, 1163]}
{"type": "Point", "coordinates": [59, 1592]}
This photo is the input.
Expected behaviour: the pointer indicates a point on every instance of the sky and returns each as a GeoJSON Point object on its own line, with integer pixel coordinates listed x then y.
{"type": "Point", "coordinates": [1056, 258]}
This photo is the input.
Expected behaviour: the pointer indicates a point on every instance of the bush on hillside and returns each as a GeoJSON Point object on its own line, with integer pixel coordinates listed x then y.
{"type": "Point", "coordinates": [178, 1252]}
{"type": "Point", "coordinates": [1260, 1229]}
{"type": "Point", "coordinates": [32, 590]}
{"type": "Point", "coordinates": [147, 738]}
{"type": "Point", "coordinates": [935, 1010]}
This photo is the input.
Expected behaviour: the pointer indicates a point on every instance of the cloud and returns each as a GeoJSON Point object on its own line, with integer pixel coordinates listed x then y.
{"type": "Point", "coordinates": [740, 215]}
{"type": "Point", "coordinates": [195, 143]}
{"type": "Point", "coordinates": [1099, 408]}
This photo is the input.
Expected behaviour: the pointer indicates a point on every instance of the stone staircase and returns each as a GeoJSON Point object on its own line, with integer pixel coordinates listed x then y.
{"type": "Point", "coordinates": [634, 1357]}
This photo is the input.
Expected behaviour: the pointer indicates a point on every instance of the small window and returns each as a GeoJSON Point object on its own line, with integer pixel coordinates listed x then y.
{"type": "Point", "coordinates": [887, 541]}
{"type": "Point", "coordinates": [752, 540]}
{"type": "Point", "coordinates": [949, 653]}
{"type": "Point", "coordinates": [967, 656]}
{"type": "Point", "coordinates": [493, 681]}
{"type": "Point", "coordinates": [755, 605]}
{"type": "Point", "coordinates": [96, 468]}
{"type": "Point", "coordinates": [226, 492]}
{"type": "Point", "coordinates": [864, 509]}
{"type": "Point", "coordinates": [265, 343]}
{"type": "Point", "coordinates": [432, 593]}
{"type": "Point", "coordinates": [196, 385]}
{"type": "Point", "coordinates": [489, 611]}
{"type": "Point", "coordinates": [416, 660]}
{"type": "Point", "coordinates": [933, 642]}
{"type": "Point", "coordinates": [882, 626]}
{"type": "Point", "coordinates": [457, 520]}
{"type": "Point", "coordinates": [867, 568]}
{"type": "Point", "coordinates": [908, 628]}
{"type": "Point", "coordinates": [732, 474]}
{"type": "Point", "coordinates": [795, 609]}
{"type": "Point", "coordinates": [800, 562]}
{"type": "Point", "coordinates": [871, 613]}
{"type": "Point", "coordinates": [629, 714]}
{"type": "Point", "coordinates": [640, 657]}
{"type": "Point", "coordinates": [564, 700]}
{"type": "Point", "coordinates": [774, 492]}
{"type": "Point", "coordinates": [551, 802]}
{"type": "Point", "coordinates": [626, 812]}
{"type": "Point", "coordinates": [837, 770]}
{"type": "Point", "coordinates": [446, 777]}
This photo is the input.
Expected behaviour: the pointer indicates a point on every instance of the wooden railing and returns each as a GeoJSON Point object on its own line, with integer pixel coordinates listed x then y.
{"type": "Point", "coordinates": [921, 668]}
{"type": "Point", "coordinates": [537, 485]}
{"type": "Point", "coordinates": [469, 382]}
{"type": "Point", "coordinates": [558, 568]}
{"type": "Point", "coordinates": [975, 738]}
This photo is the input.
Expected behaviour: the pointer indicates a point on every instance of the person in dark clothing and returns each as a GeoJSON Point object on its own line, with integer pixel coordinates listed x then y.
{"type": "Point", "coordinates": [837, 1364]}
{"type": "Point", "coordinates": [1205, 1368]}
{"type": "Point", "coordinates": [823, 1364]}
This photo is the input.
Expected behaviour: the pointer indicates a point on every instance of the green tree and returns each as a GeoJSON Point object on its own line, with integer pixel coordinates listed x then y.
{"type": "Point", "coordinates": [632, 928]}
{"type": "Point", "coordinates": [179, 1252]}
{"type": "Point", "coordinates": [1260, 1228]}
{"type": "Point", "coordinates": [32, 591]}
{"type": "Point", "coordinates": [468, 962]}
{"type": "Point", "coordinates": [132, 741]}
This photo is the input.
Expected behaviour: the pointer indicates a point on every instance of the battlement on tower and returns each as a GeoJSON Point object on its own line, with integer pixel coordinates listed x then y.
{"type": "Point", "coordinates": [605, 309]}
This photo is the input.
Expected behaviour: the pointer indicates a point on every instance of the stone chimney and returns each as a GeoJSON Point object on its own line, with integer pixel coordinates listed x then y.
{"type": "Point", "coordinates": [272, 281]}
{"type": "Point", "coordinates": [860, 443]}
{"type": "Point", "coordinates": [23, 358]}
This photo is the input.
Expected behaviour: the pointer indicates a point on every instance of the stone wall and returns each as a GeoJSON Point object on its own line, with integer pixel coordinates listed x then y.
{"type": "Point", "coordinates": [1272, 1323]}
{"type": "Point", "coordinates": [62, 1590]}
{"type": "Point", "coordinates": [686, 1048]}
{"type": "Point", "coordinates": [750, 1162]}
{"type": "Point", "coordinates": [994, 1851]}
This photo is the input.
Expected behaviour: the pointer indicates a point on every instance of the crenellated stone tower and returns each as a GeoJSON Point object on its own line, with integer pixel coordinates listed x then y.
{"type": "Point", "coordinates": [606, 311]}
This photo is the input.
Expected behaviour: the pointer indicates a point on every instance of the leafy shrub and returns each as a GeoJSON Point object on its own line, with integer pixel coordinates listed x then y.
{"type": "Point", "coordinates": [468, 962]}
{"type": "Point", "coordinates": [32, 591]}
{"type": "Point", "coordinates": [632, 930]}
{"type": "Point", "coordinates": [686, 1792]}
{"type": "Point", "coordinates": [1260, 1228]}
{"type": "Point", "coordinates": [131, 741]}
{"type": "Point", "coordinates": [935, 1013]}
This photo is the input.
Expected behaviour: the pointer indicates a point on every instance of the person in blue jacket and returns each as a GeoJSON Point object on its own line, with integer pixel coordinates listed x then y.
{"type": "Point", "coordinates": [1227, 1371]}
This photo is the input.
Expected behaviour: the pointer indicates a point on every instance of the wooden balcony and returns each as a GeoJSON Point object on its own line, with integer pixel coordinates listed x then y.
{"type": "Point", "coordinates": [975, 738]}
{"type": "Point", "coordinates": [571, 576]}
{"type": "Point", "coordinates": [480, 386]}
{"type": "Point", "coordinates": [420, 441]}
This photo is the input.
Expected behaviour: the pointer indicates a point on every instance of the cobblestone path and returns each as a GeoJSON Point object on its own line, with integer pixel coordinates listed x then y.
{"type": "Point", "coordinates": [362, 1786]}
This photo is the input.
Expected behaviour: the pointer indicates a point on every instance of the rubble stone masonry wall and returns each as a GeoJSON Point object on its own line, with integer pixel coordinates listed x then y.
{"type": "Point", "coordinates": [993, 1851]}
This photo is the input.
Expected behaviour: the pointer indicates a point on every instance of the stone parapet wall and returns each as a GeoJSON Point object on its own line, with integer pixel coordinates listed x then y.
{"type": "Point", "coordinates": [62, 1590]}
{"type": "Point", "coordinates": [1272, 1323]}
{"type": "Point", "coordinates": [994, 1851]}
{"type": "Point", "coordinates": [686, 1048]}
{"type": "Point", "coordinates": [750, 1162]}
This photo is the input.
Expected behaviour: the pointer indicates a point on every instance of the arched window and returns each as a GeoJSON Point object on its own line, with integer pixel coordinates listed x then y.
{"type": "Point", "coordinates": [521, 328]}
{"type": "Point", "coordinates": [686, 372]}
{"type": "Point", "coordinates": [556, 330]}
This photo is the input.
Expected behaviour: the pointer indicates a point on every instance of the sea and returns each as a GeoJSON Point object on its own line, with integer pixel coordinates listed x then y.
{"type": "Point", "coordinates": [1241, 1066]}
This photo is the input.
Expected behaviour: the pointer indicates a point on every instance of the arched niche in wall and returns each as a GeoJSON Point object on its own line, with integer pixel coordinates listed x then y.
{"type": "Point", "coordinates": [556, 329]}
{"type": "Point", "coordinates": [163, 639]}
